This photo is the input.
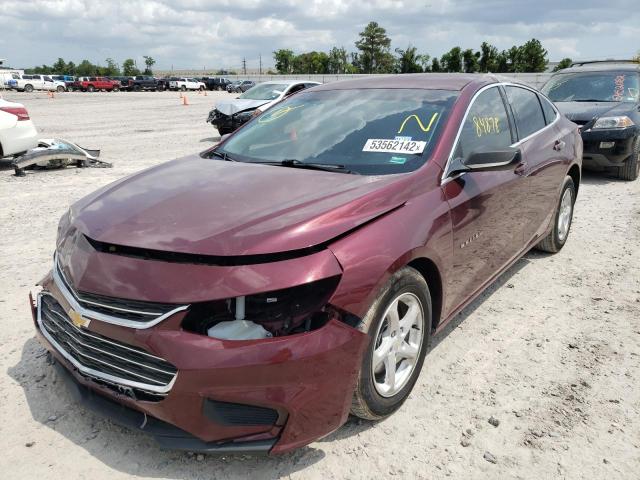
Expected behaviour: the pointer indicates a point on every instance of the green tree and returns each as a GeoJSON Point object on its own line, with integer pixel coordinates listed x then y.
{"type": "Point", "coordinates": [564, 63]}
{"type": "Point", "coordinates": [129, 68]}
{"type": "Point", "coordinates": [514, 64]}
{"type": "Point", "coordinates": [311, 62]}
{"type": "Point", "coordinates": [435, 65]}
{"type": "Point", "coordinates": [112, 69]}
{"type": "Point", "coordinates": [470, 59]}
{"type": "Point", "coordinates": [149, 62]}
{"type": "Point", "coordinates": [85, 69]}
{"type": "Point", "coordinates": [502, 62]}
{"type": "Point", "coordinates": [338, 62]}
{"type": "Point", "coordinates": [452, 60]}
{"type": "Point", "coordinates": [374, 47]}
{"type": "Point", "coordinates": [284, 60]}
{"type": "Point", "coordinates": [533, 57]}
{"type": "Point", "coordinates": [409, 61]}
{"type": "Point", "coordinates": [70, 68]}
{"type": "Point", "coordinates": [488, 61]}
{"type": "Point", "coordinates": [59, 67]}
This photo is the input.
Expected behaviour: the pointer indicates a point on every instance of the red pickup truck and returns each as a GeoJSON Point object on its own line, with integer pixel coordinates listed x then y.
{"type": "Point", "coordinates": [91, 84]}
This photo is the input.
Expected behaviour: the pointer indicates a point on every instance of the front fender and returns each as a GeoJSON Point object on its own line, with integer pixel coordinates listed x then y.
{"type": "Point", "coordinates": [419, 229]}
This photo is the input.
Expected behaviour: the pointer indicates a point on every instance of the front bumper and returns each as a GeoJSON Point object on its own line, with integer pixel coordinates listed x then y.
{"type": "Point", "coordinates": [306, 379]}
{"type": "Point", "coordinates": [226, 122]}
{"type": "Point", "coordinates": [596, 157]}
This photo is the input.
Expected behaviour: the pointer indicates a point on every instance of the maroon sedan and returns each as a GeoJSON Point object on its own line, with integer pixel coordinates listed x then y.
{"type": "Point", "coordinates": [249, 298]}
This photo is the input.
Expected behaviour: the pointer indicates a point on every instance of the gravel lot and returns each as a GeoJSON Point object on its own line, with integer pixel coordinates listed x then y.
{"type": "Point", "coordinates": [551, 351]}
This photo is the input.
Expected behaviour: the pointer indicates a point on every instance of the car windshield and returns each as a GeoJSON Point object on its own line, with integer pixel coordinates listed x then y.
{"type": "Point", "coordinates": [593, 87]}
{"type": "Point", "coordinates": [370, 131]}
{"type": "Point", "coordinates": [266, 91]}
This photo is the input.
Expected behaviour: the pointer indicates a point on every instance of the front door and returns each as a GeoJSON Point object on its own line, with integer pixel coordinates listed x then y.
{"type": "Point", "coordinates": [486, 207]}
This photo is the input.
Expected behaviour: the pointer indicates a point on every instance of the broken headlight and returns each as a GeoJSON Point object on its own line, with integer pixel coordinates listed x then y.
{"type": "Point", "coordinates": [279, 312]}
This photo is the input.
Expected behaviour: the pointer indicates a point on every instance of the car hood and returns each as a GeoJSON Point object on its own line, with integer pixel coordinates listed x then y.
{"type": "Point", "coordinates": [583, 112]}
{"type": "Point", "coordinates": [238, 105]}
{"type": "Point", "coordinates": [215, 207]}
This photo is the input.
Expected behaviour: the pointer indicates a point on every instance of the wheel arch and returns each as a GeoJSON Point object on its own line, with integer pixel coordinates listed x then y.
{"type": "Point", "coordinates": [574, 173]}
{"type": "Point", "coordinates": [429, 271]}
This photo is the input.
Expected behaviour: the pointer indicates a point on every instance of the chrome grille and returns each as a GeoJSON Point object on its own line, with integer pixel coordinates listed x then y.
{"type": "Point", "coordinates": [101, 358]}
{"type": "Point", "coordinates": [123, 312]}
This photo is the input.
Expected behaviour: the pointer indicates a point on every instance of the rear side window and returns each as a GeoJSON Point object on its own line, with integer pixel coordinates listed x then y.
{"type": "Point", "coordinates": [486, 125]}
{"type": "Point", "coordinates": [549, 113]}
{"type": "Point", "coordinates": [527, 110]}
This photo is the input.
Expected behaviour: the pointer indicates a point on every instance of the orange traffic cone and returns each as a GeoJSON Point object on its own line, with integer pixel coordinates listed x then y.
{"type": "Point", "coordinates": [184, 100]}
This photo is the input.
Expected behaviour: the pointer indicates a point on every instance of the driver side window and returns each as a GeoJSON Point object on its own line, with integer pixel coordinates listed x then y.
{"type": "Point", "coordinates": [486, 125]}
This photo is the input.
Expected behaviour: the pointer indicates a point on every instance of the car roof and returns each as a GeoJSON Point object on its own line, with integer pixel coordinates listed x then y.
{"type": "Point", "coordinates": [288, 82]}
{"type": "Point", "coordinates": [423, 81]}
{"type": "Point", "coordinates": [603, 66]}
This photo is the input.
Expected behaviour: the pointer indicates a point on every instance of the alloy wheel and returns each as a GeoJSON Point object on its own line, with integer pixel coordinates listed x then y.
{"type": "Point", "coordinates": [397, 344]}
{"type": "Point", "coordinates": [564, 216]}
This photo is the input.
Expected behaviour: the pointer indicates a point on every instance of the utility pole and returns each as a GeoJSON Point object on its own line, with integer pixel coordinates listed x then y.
{"type": "Point", "coordinates": [244, 66]}
{"type": "Point", "coordinates": [260, 64]}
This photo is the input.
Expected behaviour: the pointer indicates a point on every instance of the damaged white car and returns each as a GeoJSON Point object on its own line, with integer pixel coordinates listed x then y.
{"type": "Point", "coordinates": [228, 115]}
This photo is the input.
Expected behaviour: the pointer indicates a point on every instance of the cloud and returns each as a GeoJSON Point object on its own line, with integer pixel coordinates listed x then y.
{"type": "Point", "coordinates": [220, 33]}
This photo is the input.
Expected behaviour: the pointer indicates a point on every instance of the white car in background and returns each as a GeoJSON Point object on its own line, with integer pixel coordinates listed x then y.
{"type": "Point", "coordinates": [185, 84]}
{"type": "Point", "coordinates": [29, 83]}
{"type": "Point", "coordinates": [228, 115]}
{"type": "Point", "coordinates": [17, 132]}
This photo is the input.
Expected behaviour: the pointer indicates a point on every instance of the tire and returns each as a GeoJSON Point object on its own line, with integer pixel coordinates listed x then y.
{"type": "Point", "coordinates": [28, 88]}
{"type": "Point", "coordinates": [115, 89]}
{"type": "Point", "coordinates": [373, 398]}
{"type": "Point", "coordinates": [91, 89]}
{"type": "Point", "coordinates": [558, 235]}
{"type": "Point", "coordinates": [136, 88]}
{"type": "Point", "coordinates": [183, 88]}
{"type": "Point", "coordinates": [631, 168]}
{"type": "Point", "coordinates": [60, 89]}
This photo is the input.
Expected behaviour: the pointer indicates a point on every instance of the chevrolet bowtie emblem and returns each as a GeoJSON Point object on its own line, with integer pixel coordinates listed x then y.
{"type": "Point", "coordinates": [78, 320]}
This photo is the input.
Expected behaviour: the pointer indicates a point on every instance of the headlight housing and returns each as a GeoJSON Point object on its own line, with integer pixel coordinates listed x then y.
{"type": "Point", "coordinates": [613, 122]}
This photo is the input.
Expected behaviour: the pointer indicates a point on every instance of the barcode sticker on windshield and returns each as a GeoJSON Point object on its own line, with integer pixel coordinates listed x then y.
{"type": "Point", "coordinates": [393, 146]}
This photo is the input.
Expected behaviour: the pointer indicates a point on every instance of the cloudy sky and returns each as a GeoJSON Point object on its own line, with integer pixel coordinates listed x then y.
{"type": "Point", "coordinates": [219, 33]}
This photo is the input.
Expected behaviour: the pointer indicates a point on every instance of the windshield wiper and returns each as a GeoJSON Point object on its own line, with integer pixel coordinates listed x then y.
{"type": "Point", "coordinates": [590, 100]}
{"type": "Point", "coordinates": [327, 167]}
{"type": "Point", "coordinates": [223, 156]}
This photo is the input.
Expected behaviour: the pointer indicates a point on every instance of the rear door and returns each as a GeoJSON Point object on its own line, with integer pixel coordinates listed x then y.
{"type": "Point", "coordinates": [543, 151]}
{"type": "Point", "coordinates": [486, 207]}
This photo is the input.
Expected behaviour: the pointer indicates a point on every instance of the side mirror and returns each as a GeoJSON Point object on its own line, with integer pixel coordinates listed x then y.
{"type": "Point", "coordinates": [486, 159]}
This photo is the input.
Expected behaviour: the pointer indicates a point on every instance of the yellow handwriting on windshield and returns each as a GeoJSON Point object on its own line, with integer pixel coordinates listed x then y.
{"type": "Point", "coordinates": [422, 127]}
{"type": "Point", "coordinates": [276, 114]}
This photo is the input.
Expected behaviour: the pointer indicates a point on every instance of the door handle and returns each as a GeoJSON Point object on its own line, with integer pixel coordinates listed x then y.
{"type": "Point", "coordinates": [558, 145]}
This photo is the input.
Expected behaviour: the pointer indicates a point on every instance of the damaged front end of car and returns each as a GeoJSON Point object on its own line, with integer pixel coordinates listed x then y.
{"type": "Point", "coordinates": [215, 354]}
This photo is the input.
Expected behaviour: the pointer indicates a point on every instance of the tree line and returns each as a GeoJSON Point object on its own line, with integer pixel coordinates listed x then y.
{"type": "Point", "coordinates": [373, 55]}
{"type": "Point", "coordinates": [87, 69]}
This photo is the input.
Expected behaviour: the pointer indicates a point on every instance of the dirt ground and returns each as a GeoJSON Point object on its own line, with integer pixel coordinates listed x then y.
{"type": "Point", "coordinates": [551, 351]}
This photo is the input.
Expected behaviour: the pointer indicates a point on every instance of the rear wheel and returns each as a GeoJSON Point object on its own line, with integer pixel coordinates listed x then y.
{"type": "Point", "coordinates": [116, 89]}
{"type": "Point", "coordinates": [556, 239]}
{"type": "Point", "coordinates": [183, 88]}
{"type": "Point", "coordinates": [399, 326]}
{"type": "Point", "coordinates": [60, 89]}
{"type": "Point", "coordinates": [136, 88]}
{"type": "Point", "coordinates": [631, 168]}
{"type": "Point", "coordinates": [28, 88]}
{"type": "Point", "coordinates": [91, 88]}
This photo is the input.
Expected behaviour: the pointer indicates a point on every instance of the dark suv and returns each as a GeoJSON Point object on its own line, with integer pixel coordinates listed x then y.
{"type": "Point", "coordinates": [602, 97]}
{"type": "Point", "coordinates": [216, 83]}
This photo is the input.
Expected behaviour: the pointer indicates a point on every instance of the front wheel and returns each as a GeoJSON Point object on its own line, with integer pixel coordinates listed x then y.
{"type": "Point", "coordinates": [399, 326]}
{"type": "Point", "coordinates": [91, 88]}
{"type": "Point", "coordinates": [116, 89]}
{"type": "Point", "coordinates": [631, 168]}
{"type": "Point", "coordinates": [183, 88]}
{"type": "Point", "coordinates": [558, 235]}
{"type": "Point", "coordinates": [60, 89]}
{"type": "Point", "coordinates": [28, 88]}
